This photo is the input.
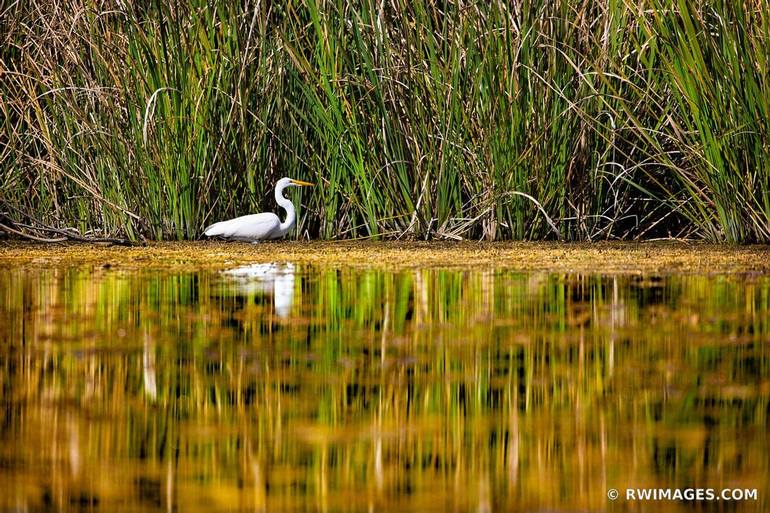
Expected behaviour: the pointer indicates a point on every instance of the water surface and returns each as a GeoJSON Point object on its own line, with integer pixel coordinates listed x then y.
{"type": "Point", "coordinates": [288, 387]}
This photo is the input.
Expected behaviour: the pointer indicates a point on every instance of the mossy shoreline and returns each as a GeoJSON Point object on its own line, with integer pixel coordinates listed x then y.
{"type": "Point", "coordinates": [605, 257]}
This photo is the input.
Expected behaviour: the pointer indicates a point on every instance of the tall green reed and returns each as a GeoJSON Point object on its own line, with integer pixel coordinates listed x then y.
{"type": "Point", "coordinates": [716, 60]}
{"type": "Point", "coordinates": [484, 120]}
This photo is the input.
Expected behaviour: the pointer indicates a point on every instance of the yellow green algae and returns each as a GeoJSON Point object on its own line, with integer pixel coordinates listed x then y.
{"type": "Point", "coordinates": [607, 257]}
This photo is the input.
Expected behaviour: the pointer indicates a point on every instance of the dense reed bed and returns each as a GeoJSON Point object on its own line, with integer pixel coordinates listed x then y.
{"type": "Point", "coordinates": [499, 120]}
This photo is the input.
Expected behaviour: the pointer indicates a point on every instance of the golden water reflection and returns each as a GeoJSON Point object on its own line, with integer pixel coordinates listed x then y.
{"type": "Point", "coordinates": [294, 388]}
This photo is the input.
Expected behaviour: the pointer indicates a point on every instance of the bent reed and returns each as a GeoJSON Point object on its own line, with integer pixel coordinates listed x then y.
{"type": "Point", "coordinates": [418, 119]}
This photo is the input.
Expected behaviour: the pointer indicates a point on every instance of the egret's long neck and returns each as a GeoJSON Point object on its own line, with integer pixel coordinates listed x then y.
{"type": "Point", "coordinates": [288, 206]}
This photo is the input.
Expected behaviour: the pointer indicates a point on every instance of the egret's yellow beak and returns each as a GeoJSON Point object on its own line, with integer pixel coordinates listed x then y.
{"type": "Point", "coordinates": [300, 182]}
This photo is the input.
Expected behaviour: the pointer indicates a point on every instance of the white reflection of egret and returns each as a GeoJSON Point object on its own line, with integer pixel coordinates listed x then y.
{"type": "Point", "coordinates": [274, 279]}
{"type": "Point", "coordinates": [148, 367]}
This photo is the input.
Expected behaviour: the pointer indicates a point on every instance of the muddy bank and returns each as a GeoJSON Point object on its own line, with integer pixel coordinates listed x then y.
{"type": "Point", "coordinates": [663, 257]}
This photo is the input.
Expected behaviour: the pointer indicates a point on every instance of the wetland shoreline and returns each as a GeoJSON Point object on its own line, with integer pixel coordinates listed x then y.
{"type": "Point", "coordinates": [603, 257]}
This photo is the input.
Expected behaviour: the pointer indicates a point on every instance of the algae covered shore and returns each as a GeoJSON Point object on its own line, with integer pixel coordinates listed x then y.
{"type": "Point", "coordinates": [659, 257]}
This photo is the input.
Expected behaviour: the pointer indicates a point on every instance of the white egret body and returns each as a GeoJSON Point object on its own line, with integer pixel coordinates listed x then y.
{"type": "Point", "coordinates": [264, 226]}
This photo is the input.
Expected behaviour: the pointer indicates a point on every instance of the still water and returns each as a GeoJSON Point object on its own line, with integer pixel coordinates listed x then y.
{"type": "Point", "coordinates": [282, 387]}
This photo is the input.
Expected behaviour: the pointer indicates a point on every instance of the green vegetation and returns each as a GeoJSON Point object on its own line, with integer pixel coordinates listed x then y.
{"type": "Point", "coordinates": [554, 119]}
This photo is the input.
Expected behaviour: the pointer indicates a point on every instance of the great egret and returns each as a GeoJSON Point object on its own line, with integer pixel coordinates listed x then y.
{"type": "Point", "coordinates": [256, 227]}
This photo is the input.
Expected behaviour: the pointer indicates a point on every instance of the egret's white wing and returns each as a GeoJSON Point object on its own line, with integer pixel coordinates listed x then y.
{"type": "Point", "coordinates": [251, 227]}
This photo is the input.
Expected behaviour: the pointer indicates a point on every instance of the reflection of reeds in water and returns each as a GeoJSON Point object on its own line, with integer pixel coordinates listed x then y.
{"type": "Point", "coordinates": [423, 390]}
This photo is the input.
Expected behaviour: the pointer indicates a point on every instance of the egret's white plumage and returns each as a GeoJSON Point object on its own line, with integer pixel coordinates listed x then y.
{"type": "Point", "coordinates": [256, 227]}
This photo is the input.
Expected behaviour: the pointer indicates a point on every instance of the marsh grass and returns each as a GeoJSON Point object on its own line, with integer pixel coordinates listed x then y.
{"type": "Point", "coordinates": [547, 120]}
